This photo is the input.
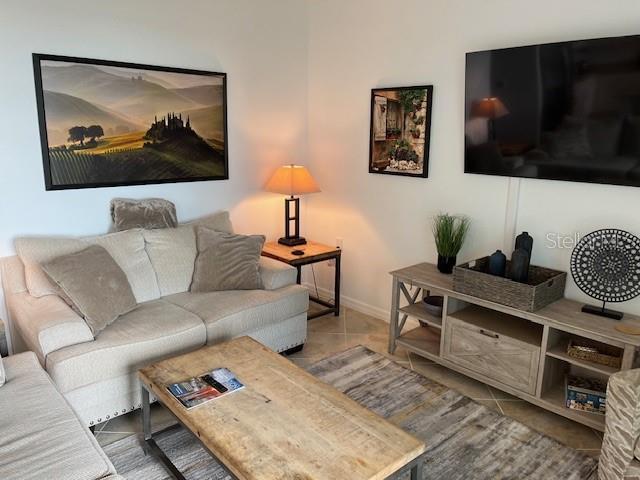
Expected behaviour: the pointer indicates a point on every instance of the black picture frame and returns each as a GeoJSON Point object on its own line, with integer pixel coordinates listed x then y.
{"type": "Point", "coordinates": [381, 163]}
{"type": "Point", "coordinates": [38, 58]}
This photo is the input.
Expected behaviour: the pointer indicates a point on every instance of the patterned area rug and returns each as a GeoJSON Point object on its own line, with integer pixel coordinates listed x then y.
{"type": "Point", "coordinates": [465, 440]}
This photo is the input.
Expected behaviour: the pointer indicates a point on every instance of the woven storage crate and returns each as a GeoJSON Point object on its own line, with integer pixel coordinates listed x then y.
{"type": "Point", "coordinates": [543, 287]}
{"type": "Point", "coordinates": [595, 352]}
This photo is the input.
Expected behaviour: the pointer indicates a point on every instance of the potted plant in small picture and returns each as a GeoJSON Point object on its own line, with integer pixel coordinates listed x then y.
{"type": "Point", "coordinates": [393, 133]}
{"type": "Point", "coordinates": [449, 232]}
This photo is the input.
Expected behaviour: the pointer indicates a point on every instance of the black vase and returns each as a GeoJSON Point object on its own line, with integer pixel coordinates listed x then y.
{"type": "Point", "coordinates": [446, 264]}
{"type": "Point", "coordinates": [525, 242]}
{"type": "Point", "coordinates": [520, 265]}
{"type": "Point", "coordinates": [497, 263]}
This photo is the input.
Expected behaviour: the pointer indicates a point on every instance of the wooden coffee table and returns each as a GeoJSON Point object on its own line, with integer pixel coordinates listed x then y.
{"type": "Point", "coordinates": [285, 423]}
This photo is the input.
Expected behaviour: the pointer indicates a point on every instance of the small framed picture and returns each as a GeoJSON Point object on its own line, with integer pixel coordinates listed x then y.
{"type": "Point", "coordinates": [400, 130]}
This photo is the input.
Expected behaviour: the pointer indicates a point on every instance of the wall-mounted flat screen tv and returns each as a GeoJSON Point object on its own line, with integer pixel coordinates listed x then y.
{"type": "Point", "coordinates": [560, 111]}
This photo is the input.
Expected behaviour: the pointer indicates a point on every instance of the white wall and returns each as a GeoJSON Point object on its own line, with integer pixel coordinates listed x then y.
{"type": "Point", "coordinates": [260, 45]}
{"type": "Point", "coordinates": [289, 57]}
{"type": "Point", "coordinates": [357, 45]}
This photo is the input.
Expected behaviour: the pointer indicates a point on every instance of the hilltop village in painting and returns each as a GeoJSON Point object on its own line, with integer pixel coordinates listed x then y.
{"type": "Point", "coordinates": [113, 125]}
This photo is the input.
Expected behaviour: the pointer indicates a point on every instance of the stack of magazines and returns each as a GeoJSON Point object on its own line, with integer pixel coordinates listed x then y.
{"type": "Point", "coordinates": [201, 389]}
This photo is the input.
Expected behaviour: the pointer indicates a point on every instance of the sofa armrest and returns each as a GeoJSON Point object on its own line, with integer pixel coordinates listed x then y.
{"type": "Point", "coordinates": [622, 425]}
{"type": "Point", "coordinates": [46, 324]}
{"type": "Point", "coordinates": [276, 274]}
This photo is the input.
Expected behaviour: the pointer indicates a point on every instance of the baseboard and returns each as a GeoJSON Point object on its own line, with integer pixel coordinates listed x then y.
{"type": "Point", "coordinates": [350, 302]}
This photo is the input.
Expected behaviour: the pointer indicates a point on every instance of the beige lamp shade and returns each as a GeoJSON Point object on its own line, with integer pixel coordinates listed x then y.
{"type": "Point", "coordinates": [292, 180]}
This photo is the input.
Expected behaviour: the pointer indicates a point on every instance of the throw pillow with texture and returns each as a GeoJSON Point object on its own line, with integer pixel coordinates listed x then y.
{"type": "Point", "coordinates": [226, 261]}
{"type": "Point", "coordinates": [149, 213]}
{"type": "Point", "coordinates": [95, 284]}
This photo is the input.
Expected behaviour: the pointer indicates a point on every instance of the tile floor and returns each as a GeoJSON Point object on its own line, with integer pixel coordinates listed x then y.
{"type": "Point", "coordinates": [329, 334]}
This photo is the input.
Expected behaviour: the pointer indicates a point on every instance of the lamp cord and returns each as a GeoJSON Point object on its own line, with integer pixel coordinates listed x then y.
{"type": "Point", "coordinates": [315, 285]}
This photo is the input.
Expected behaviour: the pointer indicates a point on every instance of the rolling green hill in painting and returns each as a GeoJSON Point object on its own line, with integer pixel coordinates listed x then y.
{"type": "Point", "coordinates": [185, 156]}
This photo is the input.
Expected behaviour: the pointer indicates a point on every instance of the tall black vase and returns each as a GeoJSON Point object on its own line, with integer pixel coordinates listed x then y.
{"type": "Point", "coordinates": [525, 242]}
{"type": "Point", "coordinates": [446, 264]}
{"type": "Point", "coordinates": [520, 265]}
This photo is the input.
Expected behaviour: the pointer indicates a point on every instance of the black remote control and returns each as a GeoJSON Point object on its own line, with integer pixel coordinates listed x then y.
{"type": "Point", "coordinates": [214, 383]}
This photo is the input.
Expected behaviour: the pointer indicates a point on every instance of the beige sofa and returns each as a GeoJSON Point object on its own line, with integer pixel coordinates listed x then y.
{"type": "Point", "coordinates": [41, 437]}
{"type": "Point", "coordinates": [98, 376]}
{"type": "Point", "coordinates": [620, 454]}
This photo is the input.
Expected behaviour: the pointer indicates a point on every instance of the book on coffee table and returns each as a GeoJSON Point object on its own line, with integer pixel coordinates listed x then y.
{"type": "Point", "coordinates": [203, 388]}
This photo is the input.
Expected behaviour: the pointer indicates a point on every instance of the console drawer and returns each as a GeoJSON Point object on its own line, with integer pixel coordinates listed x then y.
{"type": "Point", "coordinates": [474, 339]}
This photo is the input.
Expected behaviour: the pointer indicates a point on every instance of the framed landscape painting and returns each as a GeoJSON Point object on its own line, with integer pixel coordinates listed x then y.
{"type": "Point", "coordinates": [400, 130]}
{"type": "Point", "coordinates": [105, 123]}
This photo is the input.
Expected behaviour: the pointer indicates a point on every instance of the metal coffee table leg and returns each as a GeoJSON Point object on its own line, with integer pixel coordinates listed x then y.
{"type": "Point", "coordinates": [416, 471]}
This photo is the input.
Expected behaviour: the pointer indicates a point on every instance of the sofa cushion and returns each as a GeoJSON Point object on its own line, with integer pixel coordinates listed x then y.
{"type": "Point", "coordinates": [172, 252]}
{"type": "Point", "coordinates": [152, 331]}
{"type": "Point", "coordinates": [150, 213]}
{"type": "Point", "coordinates": [219, 221]}
{"type": "Point", "coordinates": [239, 312]}
{"type": "Point", "coordinates": [94, 283]}
{"type": "Point", "coordinates": [41, 437]}
{"type": "Point", "coordinates": [276, 274]}
{"type": "Point", "coordinates": [47, 324]}
{"type": "Point", "coordinates": [226, 261]}
{"type": "Point", "coordinates": [126, 248]}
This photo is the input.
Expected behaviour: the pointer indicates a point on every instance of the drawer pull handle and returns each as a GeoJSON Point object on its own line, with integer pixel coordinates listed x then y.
{"type": "Point", "coordinates": [489, 334]}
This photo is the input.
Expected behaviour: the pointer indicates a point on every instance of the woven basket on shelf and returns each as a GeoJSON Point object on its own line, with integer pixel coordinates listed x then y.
{"type": "Point", "coordinates": [543, 287]}
{"type": "Point", "coordinates": [601, 354]}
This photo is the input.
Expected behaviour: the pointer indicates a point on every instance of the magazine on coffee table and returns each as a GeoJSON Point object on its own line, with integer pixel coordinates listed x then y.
{"type": "Point", "coordinates": [198, 390]}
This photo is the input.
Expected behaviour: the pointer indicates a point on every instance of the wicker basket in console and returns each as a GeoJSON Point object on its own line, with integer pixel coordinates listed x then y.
{"type": "Point", "coordinates": [543, 287]}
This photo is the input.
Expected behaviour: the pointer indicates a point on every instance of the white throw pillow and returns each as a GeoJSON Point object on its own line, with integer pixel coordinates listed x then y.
{"type": "Point", "coordinates": [126, 248]}
{"type": "Point", "coordinates": [3, 377]}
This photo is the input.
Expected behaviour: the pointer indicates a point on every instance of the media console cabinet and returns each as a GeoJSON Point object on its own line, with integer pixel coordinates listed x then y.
{"type": "Point", "coordinates": [521, 353]}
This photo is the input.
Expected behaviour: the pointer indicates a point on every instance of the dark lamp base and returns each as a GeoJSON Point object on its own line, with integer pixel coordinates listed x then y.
{"type": "Point", "coordinates": [292, 242]}
{"type": "Point", "coordinates": [603, 312]}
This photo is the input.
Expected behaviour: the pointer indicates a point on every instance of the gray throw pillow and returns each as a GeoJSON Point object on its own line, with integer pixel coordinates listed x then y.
{"type": "Point", "coordinates": [94, 283]}
{"type": "Point", "coordinates": [226, 261]}
{"type": "Point", "coordinates": [149, 213]}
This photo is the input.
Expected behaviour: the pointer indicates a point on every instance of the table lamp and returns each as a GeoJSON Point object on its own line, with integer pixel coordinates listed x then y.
{"type": "Point", "coordinates": [292, 180]}
{"type": "Point", "coordinates": [490, 108]}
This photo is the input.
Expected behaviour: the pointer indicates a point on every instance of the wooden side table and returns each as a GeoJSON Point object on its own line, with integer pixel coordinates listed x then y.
{"type": "Point", "coordinates": [313, 253]}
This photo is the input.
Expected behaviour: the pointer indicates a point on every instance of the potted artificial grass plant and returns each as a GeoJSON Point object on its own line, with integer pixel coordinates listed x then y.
{"type": "Point", "coordinates": [449, 232]}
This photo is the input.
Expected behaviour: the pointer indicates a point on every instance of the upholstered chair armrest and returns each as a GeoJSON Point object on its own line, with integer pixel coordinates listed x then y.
{"type": "Point", "coordinates": [47, 324]}
{"type": "Point", "coordinates": [622, 425]}
{"type": "Point", "coordinates": [276, 274]}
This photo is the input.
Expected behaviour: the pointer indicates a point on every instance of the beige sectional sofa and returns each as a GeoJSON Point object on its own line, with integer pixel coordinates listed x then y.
{"type": "Point", "coordinates": [41, 437]}
{"type": "Point", "coordinates": [97, 376]}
